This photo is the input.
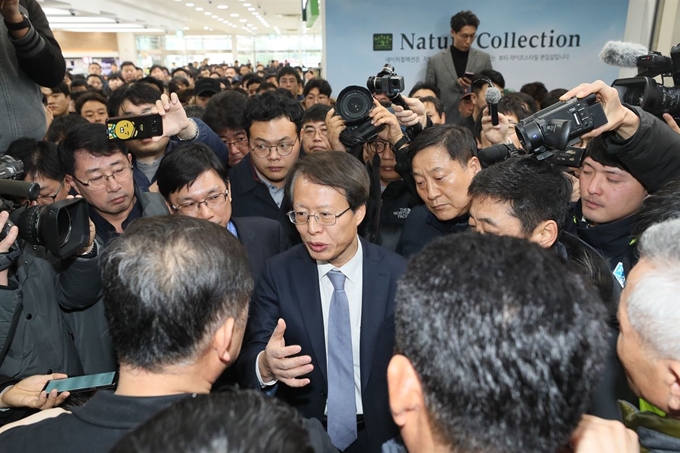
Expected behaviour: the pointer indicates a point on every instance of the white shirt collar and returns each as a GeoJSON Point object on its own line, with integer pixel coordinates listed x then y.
{"type": "Point", "coordinates": [352, 269]}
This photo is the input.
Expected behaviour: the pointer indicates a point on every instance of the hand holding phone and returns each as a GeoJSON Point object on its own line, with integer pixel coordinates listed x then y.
{"type": "Point", "coordinates": [85, 383]}
{"type": "Point", "coordinates": [135, 127]}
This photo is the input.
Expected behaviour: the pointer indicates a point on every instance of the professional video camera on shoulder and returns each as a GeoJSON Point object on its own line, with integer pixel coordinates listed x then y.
{"type": "Point", "coordinates": [548, 133]}
{"type": "Point", "coordinates": [645, 92]}
{"type": "Point", "coordinates": [62, 227]}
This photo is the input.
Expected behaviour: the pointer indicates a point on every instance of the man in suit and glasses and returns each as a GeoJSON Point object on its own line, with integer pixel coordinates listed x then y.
{"type": "Point", "coordinates": [321, 330]}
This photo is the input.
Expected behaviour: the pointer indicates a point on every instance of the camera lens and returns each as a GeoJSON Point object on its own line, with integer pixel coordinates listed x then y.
{"type": "Point", "coordinates": [530, 135]}
{"type": "Point", "coordinates": [29, 224]}
{"type": "Point", "coordinates": [63, 226]}
{"type": "Point", "coordinates": [354, 103]}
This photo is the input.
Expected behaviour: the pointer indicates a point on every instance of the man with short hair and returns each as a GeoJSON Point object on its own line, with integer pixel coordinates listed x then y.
{"type": "Point", "coordinates": [610, 200]}
{"type": "Point", "coordinates": [444, 163]}
{"type": "Point", "coordinates": [241, 421]}
{"type": "Point", "coordinates": [142, 99]}
{"type": "Point", "coordinates": [343, 324]}
{"type": "Point", "coordinates": [316, 91]}
{"type": "Point", "coordinates": [314, 135]}
{"type": "Point", "coordinates": [101, 171]}
{"type": "Point", "coordinates": [649, 338]}
{"type": "Point", "coordinates": [128, 70]}
{"type": "Point", "coordinates": [58, 99]}
{"type": "Point", "coordinates": [94, 68]}
{"type": "Point", "coordinates": [448, 69]}
{"type": "Point", "coordinates": [272, 123]}
{"type": "Point", "coordinates": [434, 109]}
{"type": "Point", "coordinates": [92, 107]}
{"type": "Point", "coordinates": [290, 79]}
{"type": "Point", "coordinates": [194, 182]}
{"type": "Point", "coordinates": [253, 84]}
{"type": "Point", "coordinates": [476, 363]}
{"type": "Point", "coordinates": [424, 89]}
{"type": "Point", "coordinates": [224, 115]}
{"type": "Point", "coordinates": [167, 348]}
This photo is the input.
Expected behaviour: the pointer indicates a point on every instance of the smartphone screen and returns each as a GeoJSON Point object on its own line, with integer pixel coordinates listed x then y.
{"type": "Point", "coordinates": [135, 127]}
{"type": "Point", "coordinates": [83, 383]}
{"type": "Point", "coordinates": [469, 75]}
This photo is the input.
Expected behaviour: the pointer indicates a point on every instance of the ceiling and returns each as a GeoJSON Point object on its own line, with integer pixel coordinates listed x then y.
{"type": "Point", "coordinates": [245, 17]}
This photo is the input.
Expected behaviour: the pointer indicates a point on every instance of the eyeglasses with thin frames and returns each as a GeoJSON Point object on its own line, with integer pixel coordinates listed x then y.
{"type": "Point", "coordinates": [284, 149]}
{"type": "Point", "coordinates": [322, 218]}
{"type": "Point", "coordinates": [99, 182]}
{"type": "Point", "coordinates": [192, 207]}
{"type": "Point", "coordinates": [50, 197]}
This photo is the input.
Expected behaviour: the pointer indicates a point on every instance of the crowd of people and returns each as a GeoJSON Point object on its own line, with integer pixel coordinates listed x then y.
{"type": "Point", "coordinates": [259, 283]}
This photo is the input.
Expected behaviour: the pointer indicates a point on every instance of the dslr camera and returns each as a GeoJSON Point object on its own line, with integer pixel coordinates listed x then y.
{"type": "Point", "coordinates": [63, 227]}
{"type": "Point", "coordinates": [355, 102]}
{"type": "Point", "coordinates": [645, 92]}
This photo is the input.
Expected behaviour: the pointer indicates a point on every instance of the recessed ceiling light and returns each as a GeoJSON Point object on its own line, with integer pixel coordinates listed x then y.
{"type": "Point", "coordinates": [243, 20]}
{"type": "Point", "coordinates": [208, 13]}
{"type": "Point", "coordinates": [205, 28]}
{"type": "Point", "coordinates": [190, 4]}
{"type": "Point", "coordinates": [251, 9]}
{"type": "Point", "coordinates": [234, 14]}
{"type": "Point", "coordinates": [222, 7]}
{"type": "Point", "coordinates": [246, 4]}
{"type": "Point", "coordinates": [186, 28]}
{"type": "Point", "coordinates": [199, 9]}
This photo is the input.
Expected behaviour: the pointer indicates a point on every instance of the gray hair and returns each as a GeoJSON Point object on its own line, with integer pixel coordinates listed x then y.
{"type": "Point", "coordinates": [653, 306]}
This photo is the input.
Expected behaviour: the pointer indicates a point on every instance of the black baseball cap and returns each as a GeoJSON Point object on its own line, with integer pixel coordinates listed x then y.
{"type": "Point", "coordinates": [206, 86]}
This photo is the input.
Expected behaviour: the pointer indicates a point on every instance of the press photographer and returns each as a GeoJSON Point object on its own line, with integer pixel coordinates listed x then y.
{"type": "Point", "coordinates": [48, 266]}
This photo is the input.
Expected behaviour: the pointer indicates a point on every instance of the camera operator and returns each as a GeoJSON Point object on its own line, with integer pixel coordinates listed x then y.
{"type": "Point", "coordinates": [391, 192]}
{"type": "Point", "coordinates": [634, 154]}
{"type": "Point", "coordinates": [642, 142]}
{"type": "Point", "coordinates": [87, 326]}
{"type": "Point", "coordinates": [35, 287]}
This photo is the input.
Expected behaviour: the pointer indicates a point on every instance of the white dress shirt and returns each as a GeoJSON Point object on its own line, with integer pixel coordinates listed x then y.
{"type": "Point", "coordinates": [353, 271]}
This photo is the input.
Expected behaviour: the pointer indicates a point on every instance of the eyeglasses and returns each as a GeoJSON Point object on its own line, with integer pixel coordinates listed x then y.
{"type": "Point", "coordinates": [237, 141]}
{"type": "Point", "coordinates": [379, 146]}
{"type": "Point", "coordinates": [322, 218]}
{"type": "Point", "coordinates": [511, 127]}
{"type": "Point", "coordinates": [51, 197]}
{"type": "Point", "coordinates": [311, 132]}
{"type": "Point", "coordinates": [192, 207]}
{"type": "Point", "coordinates": [283, 149]}
{"type": "Point", "coordinates": [99, 182]}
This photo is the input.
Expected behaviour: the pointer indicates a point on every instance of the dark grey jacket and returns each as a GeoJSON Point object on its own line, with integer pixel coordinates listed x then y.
{"type": "Point", "coordinates": [45, 286]}
{"type": "Point", "coordinates": [25, 64]}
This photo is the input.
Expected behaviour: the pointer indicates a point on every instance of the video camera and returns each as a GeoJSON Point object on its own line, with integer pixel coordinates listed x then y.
{"type": "Point", "coordinates": [62, 227]}
{"type": "Point", "coordinates": [645, 92]}
{"type": "Point", "coordinates": [547, 134]}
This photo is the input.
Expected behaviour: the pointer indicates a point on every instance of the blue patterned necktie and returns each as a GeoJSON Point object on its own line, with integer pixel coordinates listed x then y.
{"type": "Point", "coordinates": [342, 410]}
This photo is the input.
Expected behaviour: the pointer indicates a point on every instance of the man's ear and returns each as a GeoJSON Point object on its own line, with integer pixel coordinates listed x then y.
{"type": "Point", "coordinates": [222, 340]}
{"type": "Point", "coordinates": [229, 189]}
{"type": "Point", "coordinates": [545, 234]}
{"type": "Point", "coordinates": [474, 165]}
{"type": "Point", "coordinates": [359, 214]}
{"type": "Point", "coordinates": [674, 390]}
{"type": "Point", "coordinates": [68, 179]}
{"type": "Point", "coordinates": [405, 390]}
{"type": "Point", "coordinates": [443, 116]}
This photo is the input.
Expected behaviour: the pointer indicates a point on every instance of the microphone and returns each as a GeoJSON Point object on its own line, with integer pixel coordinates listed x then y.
{"type": "Point", "coordinates": [622, 54]}
{"type": "Point", "coordinates": [493, 95]}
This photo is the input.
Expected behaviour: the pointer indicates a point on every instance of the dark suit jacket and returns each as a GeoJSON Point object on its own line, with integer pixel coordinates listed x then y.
{"type": "Point", "coordinates": [442, 72]}
{"type": "Point", "coordinates": [250, 198]}
{"type": "Point", "coordinates": [262, 238]}
{"type": "Point", "coordinates": [289, 289]}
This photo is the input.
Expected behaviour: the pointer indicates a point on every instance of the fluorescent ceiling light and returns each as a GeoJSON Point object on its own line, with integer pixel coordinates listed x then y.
{"type": "Point", "coordinates": [80, 20]}
{"type": "Point", "coordinates": [56, 12]}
